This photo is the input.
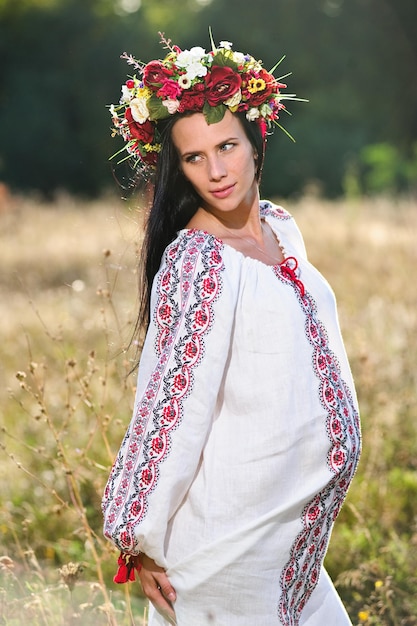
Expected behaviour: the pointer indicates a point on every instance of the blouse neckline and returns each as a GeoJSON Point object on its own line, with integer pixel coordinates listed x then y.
{"type": "Point", "coordinates": [264, 217]}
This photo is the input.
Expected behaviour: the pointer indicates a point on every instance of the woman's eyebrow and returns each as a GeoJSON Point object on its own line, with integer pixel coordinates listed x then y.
{"type": "Point", "coordinates": [221, 143]}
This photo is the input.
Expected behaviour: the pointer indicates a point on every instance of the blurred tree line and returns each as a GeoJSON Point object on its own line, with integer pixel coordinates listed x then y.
{"type": "Point", "coordinates": [355, 60]}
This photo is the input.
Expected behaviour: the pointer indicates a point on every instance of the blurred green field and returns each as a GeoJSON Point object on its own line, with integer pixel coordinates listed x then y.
{"type": "Point", "coordinates": [67, 303]}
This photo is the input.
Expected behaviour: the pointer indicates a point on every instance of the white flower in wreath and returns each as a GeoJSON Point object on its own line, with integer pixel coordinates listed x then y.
{"type": "Point", "coordinates": [252, 114]}
{"type": "Point", "coordinates": [196, 69]}
{"type": "Point", "coordinates": [127, 94]}
{"type": "Point", "coordinates": [234, 100]}
{"type": "Point", "coordinates": [184, 81]}
{"type": "Point", "coordinates": [171, 105]}
{"type": "Point", "coordinates": [139, 108]}
{"type": "Point", "coordinates": [239, 58]}
{"type": "Point", "coordinates": [191, 61]}
{"type": "Point", "coordinates": [186, 57]}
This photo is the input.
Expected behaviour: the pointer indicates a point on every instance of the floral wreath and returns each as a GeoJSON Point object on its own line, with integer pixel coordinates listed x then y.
{"type": "Point", "coordinates": [193, 81]}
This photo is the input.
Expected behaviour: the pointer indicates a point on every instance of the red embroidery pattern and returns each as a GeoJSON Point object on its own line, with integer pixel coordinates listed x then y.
{"type": "Point", "coordinates": [301, 573]}
{"type": "Point", "coordinates": [273, 210]}
{"type": "Point", "coordinates": [187, 288]}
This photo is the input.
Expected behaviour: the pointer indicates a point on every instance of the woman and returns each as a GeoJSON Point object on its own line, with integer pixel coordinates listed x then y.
{"type": "Point", "coordinates": [245, 433]}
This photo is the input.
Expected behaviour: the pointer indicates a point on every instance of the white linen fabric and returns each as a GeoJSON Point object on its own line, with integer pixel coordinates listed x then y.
{"type": "Point", "coordinates": [244, 438]}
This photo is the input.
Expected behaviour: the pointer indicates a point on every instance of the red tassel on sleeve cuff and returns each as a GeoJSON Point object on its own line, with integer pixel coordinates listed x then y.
{"type": "Point", "coordinates": [127, 564]}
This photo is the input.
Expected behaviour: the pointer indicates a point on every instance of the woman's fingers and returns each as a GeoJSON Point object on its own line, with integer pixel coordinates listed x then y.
{"type": "Point", "coordinates": [157, 588]}
{"type": "Point", "coordinates": [152, 572]}
{"type": "Point", "coordinates": [166, 588]}
{"type": "Point", "coordinates": [162, 605]}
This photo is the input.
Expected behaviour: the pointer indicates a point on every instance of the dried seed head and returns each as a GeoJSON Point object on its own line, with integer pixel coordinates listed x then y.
{"type": "Point", "coordinates": [70, 574]}
{"type": "Point", "coordinates": [6, 563]}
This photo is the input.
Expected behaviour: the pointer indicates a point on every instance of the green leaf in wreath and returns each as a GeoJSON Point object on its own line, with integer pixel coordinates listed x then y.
{"type": "Point", "coordinates": [214, 114]}
{"type": "Point", "coordinates": [157, 111]}
{"type": "Point", "coordinates": [224, 59]}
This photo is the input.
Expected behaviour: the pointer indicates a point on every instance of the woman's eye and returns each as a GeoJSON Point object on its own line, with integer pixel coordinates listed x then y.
{"type": "Point", "coordinates": [192, 158]}
{"type": "Point", "coordinates": [226, 146]}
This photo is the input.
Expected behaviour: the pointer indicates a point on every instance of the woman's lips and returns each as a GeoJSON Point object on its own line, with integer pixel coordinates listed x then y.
{"type": "Point", "coordinates": [224, 192]}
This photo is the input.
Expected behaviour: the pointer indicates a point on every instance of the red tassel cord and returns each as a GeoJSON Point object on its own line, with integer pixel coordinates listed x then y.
{"type": "Point", "coordinates": [127, 564]}
{"type": "Point", "coordinates": [288, 269]}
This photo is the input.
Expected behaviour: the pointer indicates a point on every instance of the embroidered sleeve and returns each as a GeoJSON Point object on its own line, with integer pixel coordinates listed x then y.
{"type": "Point", "coordinates": [181, 369]}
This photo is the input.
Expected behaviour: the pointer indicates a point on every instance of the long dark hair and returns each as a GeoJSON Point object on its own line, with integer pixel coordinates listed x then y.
{"type": "Point", "coordinates": [174, 203]}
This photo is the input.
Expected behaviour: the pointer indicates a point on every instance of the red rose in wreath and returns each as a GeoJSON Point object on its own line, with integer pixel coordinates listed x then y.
{"type": "Point", "coordinates": [144, 132]}
{"type": "Point", "coordinates": [155, 74]}
{"type": "Point", "coordinates": [191, 101]}
{"type": "Point", "coordinates": [222, 83]}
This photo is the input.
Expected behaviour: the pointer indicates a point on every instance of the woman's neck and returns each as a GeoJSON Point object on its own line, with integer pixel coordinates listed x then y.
{"type": "Point", "coordinates": [244, 231]}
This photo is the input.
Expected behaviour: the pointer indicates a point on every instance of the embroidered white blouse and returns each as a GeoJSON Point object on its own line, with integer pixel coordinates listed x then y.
{"type": "Point", "coordinates": [244, 438]}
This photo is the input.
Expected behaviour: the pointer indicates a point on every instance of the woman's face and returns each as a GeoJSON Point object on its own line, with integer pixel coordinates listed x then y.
{"type": "Point", "coordinates": [218, 160]}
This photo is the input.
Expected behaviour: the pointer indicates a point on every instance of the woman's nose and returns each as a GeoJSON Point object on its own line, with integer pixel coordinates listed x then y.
{"type": "Point", "coordinates": [216, 168]}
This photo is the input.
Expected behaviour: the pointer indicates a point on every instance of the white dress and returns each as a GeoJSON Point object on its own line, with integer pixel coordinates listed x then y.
{"type": "Point", "coordinates": [244, 439]}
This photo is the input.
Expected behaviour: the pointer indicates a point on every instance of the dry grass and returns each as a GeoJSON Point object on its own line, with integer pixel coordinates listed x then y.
{"type": "Point", "coordinates": [68, 299]}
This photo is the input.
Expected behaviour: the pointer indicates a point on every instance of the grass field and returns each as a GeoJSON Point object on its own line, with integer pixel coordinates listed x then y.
{"type": "Point", "coordinates": [68, 300]}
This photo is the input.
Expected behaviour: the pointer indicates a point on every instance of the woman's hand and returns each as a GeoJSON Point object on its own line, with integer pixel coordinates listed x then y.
{"type": "Point", "coordinates": [157, 588]}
